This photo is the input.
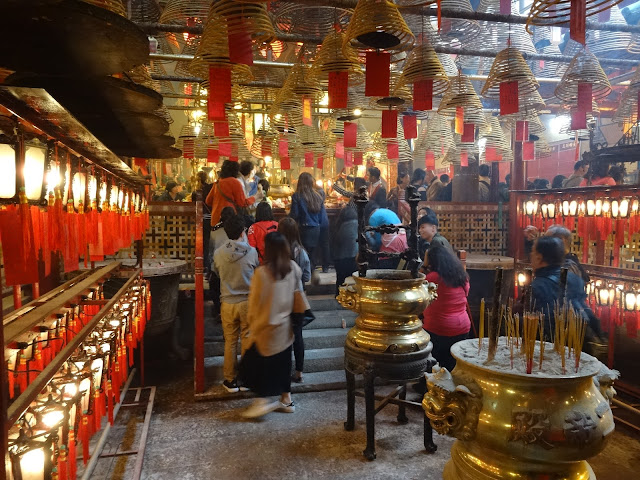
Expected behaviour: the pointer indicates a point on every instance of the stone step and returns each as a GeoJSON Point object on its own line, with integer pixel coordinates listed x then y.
{"type": "Point", "coordinates": [323, 303]}
{"type": "Point", "coordinates": [315, 360]}
{"type": "Point", "coordinates": [324, 338]}
{"type": "Point", "coordinates": [332, 319]}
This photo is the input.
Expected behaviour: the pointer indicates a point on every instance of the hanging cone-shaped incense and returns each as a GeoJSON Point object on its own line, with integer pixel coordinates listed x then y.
{"type": "Point", "coordinates": [312, 20]}
{"type": "Point", "coordinates": [509, 66]}
{"type": "Point", "coordinates": [422, 63]}
{"type": "Point", "coordinates": [461, 94]}
{"type": "Point", "coordinates": [185, 12]}
{"type": "Point", "coordinates": [495, 138]}
{"type": "Point", "coordinates": [377, 24]}
{"type": "Point", "coordinates": [246, 17]}
{"type": "Point", "coordinates": [115, 6]}
{"type": "Point", "coordinates": [566, 128]}
{"type": "Point", "coordinates": [584, 68]}
{"type": "Point", "coordinates": [610, 44]}
{"type": "Point", "coordinates": [627, 111]}
{"type": "Point", "coordinates": [553, 12]}
{"type": "Point", "coordinates": [400, 96]}
{"type": "Point", "coordinates": [435, 136]}
{"type": "Point", "coordinates": [337, 56]}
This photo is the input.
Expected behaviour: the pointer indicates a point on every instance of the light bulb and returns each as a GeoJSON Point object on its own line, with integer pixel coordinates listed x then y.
{"type": "Point", "coordinates": [32, 464]}
{"type": "Point", "coordinates": [357, 112]}
{"type": "Point", "coordinates": [33, 172]}
{"type": "Point", "coordinates": [51, 419]}
{"type": "Point", "coordinates": [53, 177]}
{"type": "Point", "coordinates": [522, 279]}
{"type": "Point", "coordinates": [630, 301]}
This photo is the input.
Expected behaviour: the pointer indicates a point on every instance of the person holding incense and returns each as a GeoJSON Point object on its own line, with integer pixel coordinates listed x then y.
{"type": "Point", "coordinates": [446, 319]}
{"type": "Point", "coordinates": [547, 259]}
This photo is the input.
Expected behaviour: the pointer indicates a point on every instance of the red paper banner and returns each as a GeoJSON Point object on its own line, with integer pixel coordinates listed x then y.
{"type": "Point", "coordinates": [188, 148]}
{"type": "Point", "coordinates": [377, 74]}
{"type": "Point", "coordinates": [464, 158]}
{"type": "Point", "coordinates": [339, 150]}
{"type": "Point", "coordinates": [221, 129]}
{"type": "Point", "coordinates": [212, 155]}
{"type": "Point", "coordinates": [468, 133]}
{"type": "Point", "coordinates": [348, 159]}
{"type": "Point", "coordinates": [389, 123]}
{"type": "Point", "coordinates": [423, 95]}
{"type": "Point", "coordinates": [505, 7]}
{"type": "Point", "coordinates": [410, 126]}
{"type": "Point", "coordinates": [285, 163]}
{"type": "Point", "coordinates": [320, 162]}
{"type": "Point", "coordinates": [439, 8]}
{"type": "Point", "coordinates": [392, 151]}
{"type": "Point", "coordinates": [509, 102]}
{"type": "Point", "coordinates": [522, 131]}
{"type": "Point", "coordinates": [490, 154]}
{"type": "Point", "coordinates": [578, 21]}
{"type": "Point", "coordinates": [283, 148]}
{"type": "Point", "coordinates": [216, 110]}
{"type": "Point", "coordinates": [357, 158]}
{"type": "Point", "coordinates": [528, 151]}
{"type": "Point", "coordinates": [308, 159]}
{"type": "Point", "coordinates": [350, 134]}
{"type": "Point", "coordinates": [338, 89]}
{"type": "Point", "coordinates": [578, 120]}
{"type": "Point", "coordinates": [459, 121]}
{"type": "Point", "coordinates": [429, 161]}
{"type": "Point", "coordinates": [585, 97]}
{"type": "Point", "coordinates": [224, 149]}
{"type": "Point", "coordinates": [220, 84]}
{"type": "Point", "coordinates": [306, 111]}
{"type": "Point", "coordinates": [240, 47]}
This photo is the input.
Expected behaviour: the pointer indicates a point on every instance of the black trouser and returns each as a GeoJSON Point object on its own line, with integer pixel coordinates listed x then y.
{"type": "Point", "coordinates": [385, 263]}
{"type": "Point", "coordinates": [442, 349]}
{"type": "Point", "coordinates": [206, 234]}
{"type": "Point", "coordinates": [214, 291]}
{"type": "Point", "coordinates": [309, 236]}
{"type": "Point", "coordinates": [344, 268]}
{"type": "Point", "coordinates": [324, 248]}
{"type": "Point", "coordinates": [298, 348]}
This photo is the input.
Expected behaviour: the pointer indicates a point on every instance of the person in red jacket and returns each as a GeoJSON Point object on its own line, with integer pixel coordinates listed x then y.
{"type": "Point", "coordinates": [228, 192]}
{"type": "Point", "coordinates": [264, 224]}
{"type": "Point", "coordinates": [446, 318]}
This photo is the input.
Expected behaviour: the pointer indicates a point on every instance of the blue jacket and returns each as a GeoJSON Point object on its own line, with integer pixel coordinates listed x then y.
{"type": "Point", "coordinates": [301, 214]}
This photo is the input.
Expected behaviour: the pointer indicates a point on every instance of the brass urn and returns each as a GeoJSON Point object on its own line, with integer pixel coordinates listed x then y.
{"type": "Point", "coordinates": [388, 332]}
{"type": "Point", "coordinates": [518, 426]}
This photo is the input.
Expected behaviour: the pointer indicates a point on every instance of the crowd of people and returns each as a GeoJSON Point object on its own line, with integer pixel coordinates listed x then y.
{"type": "Point", "coordinates": [598, 175]}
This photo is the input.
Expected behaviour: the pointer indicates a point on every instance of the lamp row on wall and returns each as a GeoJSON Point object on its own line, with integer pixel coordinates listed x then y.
{"type": "Point", "coordinates": [71, 408]}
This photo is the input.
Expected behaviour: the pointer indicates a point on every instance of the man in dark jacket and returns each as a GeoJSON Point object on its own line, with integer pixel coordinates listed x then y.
{"type": "Point", "coordinates": [547, 258]}
{"type": "Point", "coordinates": [429, 236]}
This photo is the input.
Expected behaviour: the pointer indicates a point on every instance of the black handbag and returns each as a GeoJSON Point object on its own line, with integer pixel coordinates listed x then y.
{"type": "Point", "coordinates": [301, 320]}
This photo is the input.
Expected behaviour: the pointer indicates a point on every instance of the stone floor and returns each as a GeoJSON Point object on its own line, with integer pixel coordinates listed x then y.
{"type": "Point", "coordinates": [209, 440]}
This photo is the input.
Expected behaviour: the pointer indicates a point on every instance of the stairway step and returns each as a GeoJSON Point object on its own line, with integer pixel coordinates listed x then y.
{"type": "Point", "coordinates": [332, 319]}
{"type": "Point", "coordinates": [323, 303]}
{"type": "Point", "coordinates": [324, 338]}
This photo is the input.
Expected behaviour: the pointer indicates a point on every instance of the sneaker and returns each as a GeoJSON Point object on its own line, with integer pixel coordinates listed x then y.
{"type": "Point", "coordinates": [260, 407]}
{"type": "Point", "coordinates": [297, 377]}
{"type": "Point", "coordinates": [283, 407]}
{"type": "Point", "coordinates": [231, 387]}
{"type": "Point", "coordinates": [242, 387]}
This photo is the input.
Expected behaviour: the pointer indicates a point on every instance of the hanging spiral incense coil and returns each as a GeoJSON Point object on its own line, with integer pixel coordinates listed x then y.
{"type": "Point", "coordinates": [245, 17]}
{"type": "Point", "coordinates": [144, 11]}
{"type": "Point", "coordinates": [566, 129]}
{"type": "Point", "coordinates": [400, 96]}
{"type": "Point", "coordinates": [142, 76]}
{"type": "Point", "coordinates": [458, 32]}
{"type": "Point", "coordinates": [163, 112]}
{"type": "Point", "coordinates": [627, 111]}
{"type": "Point", "coordinates": [471, 64]}
{"type": "Point", "coordinates": [312, 20]}
{"type": "Point", "coordinates": [571, 49]}
{"type": "Point", "coordinates": [509, 66]}
{"type": "Point", "coordinates": [355, 100]}
{"type": "Point", "coordinates": [422, 63]}
{"type": "Point", "coordinates": [337, 56]}
{"type": "Point", "coordinates": [190, 47]}
{"type": "Point", "coordinates": [213, 51]}
{"type": "Point", "coordinates": [528, 105]}
{"type": "Point", "coordinates": [364, 141]}
{"type": "Point", "coordinates": [185, 12]}
{"type": "Point", "coordinates": [494, 135]}
{"type": "Point", "coordinates": [158, 69]}
{"type": "Point", "coordinates": [380, 146]}
{"type": "Point", "coordinates": [302, 83]}
{"type": "Point", "coordinates": [462, 94]}
{"type": "Point", "coordinates": [535, 125]}
{"type": "Point", "coordinates": [555, 12]}
{"type": "Point", "coordinates": [435, 136]}
{"type": "Point", "coordinates": [584, 68]}
{"type": "Point", "coordinates": [115, 6]}
{"type": "Point", "coordinates": [543, 149]}
{"type": "Point", "coordinates": [611, 44]}
{"type": "Point", "coordinates": [262, 144]}
{"type": "Point", "coordinates": [377, 24]}
{"type": "Point", "coordinates": [311, 139]}
{"type": "Point", "coordinates": [448, 64]}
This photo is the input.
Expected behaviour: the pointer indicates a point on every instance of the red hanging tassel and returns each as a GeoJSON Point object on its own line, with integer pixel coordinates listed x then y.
{"type": "Point", "coordinates": [116, 382]}
{"type": "Point", "coordinates": [11, 379]}
{"type": "Point", "coordinates": [62, 463]}
{"type": "Point", "coordinates": [109, 402]}
{"type": "Point", "coordinates": [23, 379]}
{"type": "Point", "coordinates": [73, 463]}
{"type": "Point", "coordinates": [84, 437]}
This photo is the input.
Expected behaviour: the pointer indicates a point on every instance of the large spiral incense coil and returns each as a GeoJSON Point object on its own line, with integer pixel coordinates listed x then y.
{"type": "Point", "coordinates": [500, 35]}
{"type": "Point", "coordinates": [142, 76]}
{"type": "Point", "coordinates": [494, 135]}
{"type": "Point", "coordinates": [571, 49]}
{"type": "Point", "coordinates": [311, 139]}
{"type": "Point", "coordinates": [115, 6]}
{"type": "Point", "coordinates": [313, 20]}
{"type": "Point", "coordinates": [400, 96]}
{"type": "Point", "coordinates": [566, 129]}
{"type": "Point", "coordinates": [611, 44]}
{"type": "Point", "coordinates": [423, 63]}
{"type": "Point", "coordinates": [164, 113]}
{"type": "Point", "coordinates": [535, 125]}
{"type": "Point", "coordinates": [262, 144]}
{"type": "Point", "coordinates": [377, 24]}
{"type": "Point", "coordinates": [143, 11]}
{"type": "Point", "coordinates": [380, 146]}
{"type": "Point", "coordinates": [584, 68]}
{"type": "Point", "coordinates": [185, 12]}
{"type": "Point", "coordinates": [355, 100]}
{"type": "Point", "coordinates": [213, 51]}
{"type": "Point", "coordinates": [509, 66]}
{"type": "Point", "coordinates": [528, 105]}
{"type": "Point", "coordinates": [435, 136]}
{"type": "Point", "coordinates": [627, 111]}
{"type": "Point", "coordinates": [302, 83]}
{"type": "Point", "coordinates": [471, 64]}
{"type": "Point", "coordinates": [458, 32]}
{"type": "Point", "coordinates": [543, 149]}
{"type": "Point", "coordinates": [448, 64]}
{"type": "Point", "coordinates": [364, 141]}
{"type": "Point", "coordinates": [337, 56]}
{"type": "Point", "coordinates": [190, 47]}
{"type": "Point", "coordinates": [158, 69]}
{"type": "Point", "coordinates": [245, 17]}
{"type": "Point", "coordinates": [462, 94]}
{"type": "Point", "coordinates": [555, 12]}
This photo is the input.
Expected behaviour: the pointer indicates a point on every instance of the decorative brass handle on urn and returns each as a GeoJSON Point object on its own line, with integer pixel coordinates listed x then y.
{"type": "Point", "coordinates": [453, 408]}
{"type": "Point", "coordinates": [348, 298]}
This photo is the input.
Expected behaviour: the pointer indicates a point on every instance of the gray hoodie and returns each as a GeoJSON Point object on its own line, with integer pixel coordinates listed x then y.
{"type": "Point", "coordinates": [234, 262]}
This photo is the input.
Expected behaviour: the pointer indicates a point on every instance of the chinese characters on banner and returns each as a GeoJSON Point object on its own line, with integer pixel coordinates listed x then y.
{"type": "Point", "coordinates": [377, 74]}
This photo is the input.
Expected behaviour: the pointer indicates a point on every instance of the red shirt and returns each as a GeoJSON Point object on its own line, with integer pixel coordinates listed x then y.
{"type": "Point", "coordinates": [447, 314]}
{"type": "Point", "coordinates": [256, 235]}
{"type": "Point", "coordinates": [227, 192]}
{"type": "Point", "coordinates": [598, 181]}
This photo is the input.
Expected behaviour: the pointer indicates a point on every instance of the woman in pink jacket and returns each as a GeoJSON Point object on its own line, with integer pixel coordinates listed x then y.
{"type": "Point", "coordinates": [446, 318]}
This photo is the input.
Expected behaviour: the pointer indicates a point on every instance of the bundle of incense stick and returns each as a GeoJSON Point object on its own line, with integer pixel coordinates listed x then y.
{"type": "Point", "coordinates": [569, 333]}
{"type": "Point", "coordinates": [531, 323]}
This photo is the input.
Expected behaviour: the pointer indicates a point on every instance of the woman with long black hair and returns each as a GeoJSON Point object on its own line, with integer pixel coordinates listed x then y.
{"type": "Point", "coordinates": [307, 209]}
{"type": "Point", "coordinates": [275, 292]}
{"type": "Point", "coordinates": [446, 318]}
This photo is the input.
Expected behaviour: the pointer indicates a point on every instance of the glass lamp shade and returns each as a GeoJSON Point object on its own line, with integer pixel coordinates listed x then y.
{"type": "Point", "coordinates": [630, 301]}
{"type": "Point", "coordinates": [34, 159]}
{"type": "Point", "coordinates": [113, 197]}
{"type": "Point", "coordinates": [78, 188]}
{"type": "Point", "coordinates": [93, 189]}
{"type": "Point", "coordinates": [32, 464]}
{"type": "Point", "coordinates": [120, 199]}
{"type": "Point", "coordinates": [591, 208]}
{"type": "Point", "coordinates": [8, 169]}
{"type": "Point", "coordinates": [53, 177]}
{"type": "Point", "coordinates": [126, 203]}
{"type": "Point", "coordinates": [103, 193]}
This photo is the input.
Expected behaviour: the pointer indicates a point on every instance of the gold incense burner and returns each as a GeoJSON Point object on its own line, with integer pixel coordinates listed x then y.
{"type": "Point", "coordinates": [388, 331]}
{"type": "Point", "coordinates": [518, 426]}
